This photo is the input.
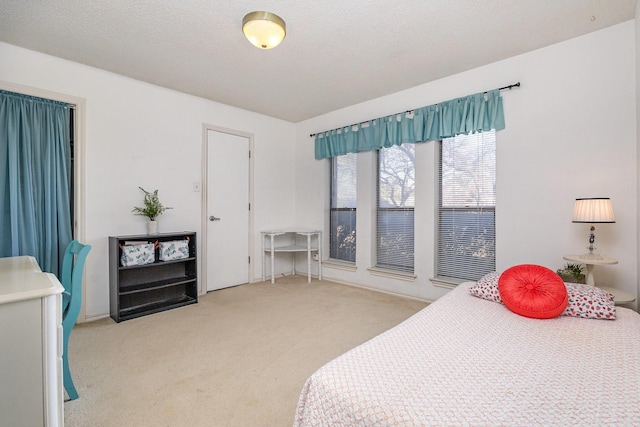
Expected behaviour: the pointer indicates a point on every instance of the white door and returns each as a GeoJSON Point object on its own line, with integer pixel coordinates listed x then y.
{"type": "Point", "coordinates": [228, 210]}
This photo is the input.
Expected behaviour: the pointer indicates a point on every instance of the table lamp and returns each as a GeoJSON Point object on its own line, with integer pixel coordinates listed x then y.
{"type": "Point", "coordinates": [595, 210]}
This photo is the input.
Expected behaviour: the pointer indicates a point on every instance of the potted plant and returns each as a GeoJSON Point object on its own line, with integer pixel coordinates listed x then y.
{"type": "Point", "coordinates": [573, 273]}
{"type": "Point", "coordinates": [152, 209]}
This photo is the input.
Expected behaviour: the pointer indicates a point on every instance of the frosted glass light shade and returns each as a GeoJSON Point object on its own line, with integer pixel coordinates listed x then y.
{"type": "Point", "coordinates": [265, 30]}
{"type": "Point", "coordinates": [593, 210]}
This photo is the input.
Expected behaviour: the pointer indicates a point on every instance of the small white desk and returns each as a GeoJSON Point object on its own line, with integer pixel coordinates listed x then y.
{"type": "Point", "coordinates": [289, 243]}
{"type": "Point", "coordinates": [31, 336]}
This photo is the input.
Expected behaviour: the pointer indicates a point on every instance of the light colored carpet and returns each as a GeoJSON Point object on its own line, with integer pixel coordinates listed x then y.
{"type": "Point", "coordinates": [237, 358]}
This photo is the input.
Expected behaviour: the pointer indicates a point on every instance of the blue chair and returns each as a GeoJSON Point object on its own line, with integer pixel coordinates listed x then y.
{"type": "Point", "coordinates": [72, 267]}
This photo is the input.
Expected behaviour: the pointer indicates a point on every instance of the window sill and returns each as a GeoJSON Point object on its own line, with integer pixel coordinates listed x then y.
{"type": "Point", "coordinates": [446, 282]}
{"type": "Point", "coordinates": [339, 265]}
{"type": "Point", "coordinates": [392, 274]}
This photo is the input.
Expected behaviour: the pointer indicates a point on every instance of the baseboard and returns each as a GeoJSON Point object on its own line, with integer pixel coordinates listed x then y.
{"type": "Point", "coordinates": [95, 318]}
{"type": "Point", "coordinates": [382, 291]}
{"type": "Point", "coordinates": [355, 285]}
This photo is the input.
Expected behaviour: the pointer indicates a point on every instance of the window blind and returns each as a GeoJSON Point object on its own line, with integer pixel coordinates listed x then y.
{"type": "Point", "coordinates": [395, 208]}
{"type": "Point", "coordinates": [342, 215]}
{"type": "Point", "coordinates": [466, 217]}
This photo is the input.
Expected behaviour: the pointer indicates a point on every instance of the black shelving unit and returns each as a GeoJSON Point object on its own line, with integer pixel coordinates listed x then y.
{"type": "Point", "coordinates": [140, 290]}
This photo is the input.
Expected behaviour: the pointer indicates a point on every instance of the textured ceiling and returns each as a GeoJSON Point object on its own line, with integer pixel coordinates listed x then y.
{"type": "Point", "coordinates": [337, 53]}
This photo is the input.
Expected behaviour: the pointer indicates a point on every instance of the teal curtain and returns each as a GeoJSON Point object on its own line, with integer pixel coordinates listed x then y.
{"type": "Point", "coordinates": [35, 179]}
{"type": "Point", "coordinates": [470, 114]}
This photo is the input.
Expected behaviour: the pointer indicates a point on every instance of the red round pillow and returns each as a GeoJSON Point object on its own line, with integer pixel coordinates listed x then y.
{"type": "Point", "coordinates": [533, 291]}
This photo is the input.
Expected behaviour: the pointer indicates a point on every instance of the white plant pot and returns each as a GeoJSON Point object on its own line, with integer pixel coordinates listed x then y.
{"type": "Point", "coordinates": [152, 227]}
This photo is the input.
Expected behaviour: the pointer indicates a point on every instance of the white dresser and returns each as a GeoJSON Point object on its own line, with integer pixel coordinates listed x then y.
{"type": "Point", "coordinates": [31, 391]}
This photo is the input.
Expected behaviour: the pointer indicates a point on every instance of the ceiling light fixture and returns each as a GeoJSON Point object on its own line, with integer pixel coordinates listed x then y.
{"type": "Point", "coordinates": [265, 30]}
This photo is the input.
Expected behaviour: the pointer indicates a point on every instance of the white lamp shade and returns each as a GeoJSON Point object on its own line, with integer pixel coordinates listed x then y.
{"type": "Point", "coordinates": [265, 30]}
{"type": "Point", "coordinates": [593, 210]}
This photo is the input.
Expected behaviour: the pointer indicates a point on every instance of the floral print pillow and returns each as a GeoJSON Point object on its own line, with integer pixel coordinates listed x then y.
{"type": "Point", "coordinates": [586, 301]}
{"type": "Point", "coordinates": [589, 302]}
{"type": "Point", "coordinates": [487, 287]}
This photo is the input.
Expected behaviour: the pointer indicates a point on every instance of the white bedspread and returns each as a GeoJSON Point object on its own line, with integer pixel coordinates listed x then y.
{"type": "Point", "coordinates": [464, 361]}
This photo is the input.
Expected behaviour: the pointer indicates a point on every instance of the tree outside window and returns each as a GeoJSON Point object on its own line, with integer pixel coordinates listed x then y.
{"type": "Point", "coordinates": [342, 216]}
{"type": "Point", "coordinates": [466, 220]}
{"type": "Point", "coordinates": [395, 208]}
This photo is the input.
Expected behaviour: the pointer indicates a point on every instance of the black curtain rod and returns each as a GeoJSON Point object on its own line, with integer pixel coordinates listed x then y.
{"type": "Point", "coordinates": [509, 87]}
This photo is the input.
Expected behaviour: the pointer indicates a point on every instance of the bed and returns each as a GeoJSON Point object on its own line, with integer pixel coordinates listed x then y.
{"type": "Point", "coordinates": [466, 361]}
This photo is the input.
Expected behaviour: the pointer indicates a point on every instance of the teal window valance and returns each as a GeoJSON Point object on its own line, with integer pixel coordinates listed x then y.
{"type": "Point", "coordinates": [473, 113]}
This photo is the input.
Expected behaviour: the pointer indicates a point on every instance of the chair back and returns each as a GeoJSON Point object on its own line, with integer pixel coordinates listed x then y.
{"type": "Point", "coordinates": [72, 268]}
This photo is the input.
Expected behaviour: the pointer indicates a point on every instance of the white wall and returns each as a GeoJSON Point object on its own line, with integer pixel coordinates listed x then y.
{"type": "Point", "coordinates": [139, 134]}
{"type": "Point", "coordinates": [570, 132]}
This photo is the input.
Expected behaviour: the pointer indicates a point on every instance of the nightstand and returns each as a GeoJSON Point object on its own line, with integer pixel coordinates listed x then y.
{"type": "Point", "coordinates": [619, 297]}
{"type": "Point", "coordinates": [590, 263]}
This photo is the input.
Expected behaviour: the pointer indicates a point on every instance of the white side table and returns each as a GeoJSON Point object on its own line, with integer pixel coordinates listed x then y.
{"type": "Point", "coordinates": [590, 263]}
{"type": "Point", "coordinates": [619, 297]}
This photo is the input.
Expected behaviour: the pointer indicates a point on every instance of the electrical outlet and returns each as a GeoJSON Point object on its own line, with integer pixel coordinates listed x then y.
{"type": "Point", "coordinates": [196, 187]}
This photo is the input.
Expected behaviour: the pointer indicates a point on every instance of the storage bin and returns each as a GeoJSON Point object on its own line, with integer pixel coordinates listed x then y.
{"type": "Point", "coordinates": [137, 254]}
{"type": "Point", "coordinates": [174, 249]}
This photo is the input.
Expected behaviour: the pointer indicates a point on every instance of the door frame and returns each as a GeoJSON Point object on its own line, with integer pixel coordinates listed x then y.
{"type": "Point", "coordinates": [202, 286]}
{"type": "Point", "coordinates": [79, 105]}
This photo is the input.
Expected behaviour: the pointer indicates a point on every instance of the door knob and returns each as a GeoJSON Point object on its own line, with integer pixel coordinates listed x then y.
{"type": "Point", "coordinates": [213, 218]}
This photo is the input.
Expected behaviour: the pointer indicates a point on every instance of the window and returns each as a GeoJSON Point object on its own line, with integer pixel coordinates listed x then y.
{"type": "Point", "coordinates": [342, 217]}
{"type": "Point", "coordinates": [466, 217]}
{"type": "Point", "coordinates": [395, 205]}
